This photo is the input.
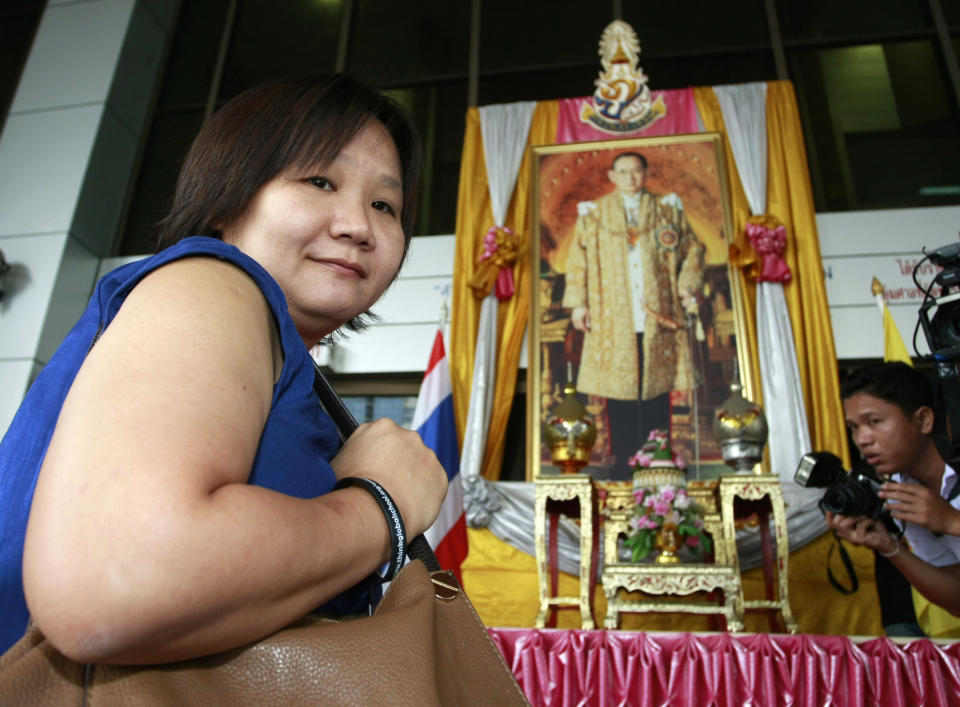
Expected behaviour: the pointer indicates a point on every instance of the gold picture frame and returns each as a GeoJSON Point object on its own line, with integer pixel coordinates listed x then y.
{"type": "Point", "coordinates": [685, 210]}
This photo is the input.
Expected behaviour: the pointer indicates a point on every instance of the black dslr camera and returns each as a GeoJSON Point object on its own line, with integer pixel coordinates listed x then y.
{"type": "Point", "coordinates": [852, 493]}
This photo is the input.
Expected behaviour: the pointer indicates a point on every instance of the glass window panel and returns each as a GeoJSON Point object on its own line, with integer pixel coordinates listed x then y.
{"type": "Point", "coordinates": [670, 28]}
{"type": "Point", "coordinates": [399, 41]}
{"type": "Point", "coordinates": [540, 32]}
{"type": "Point", "coordinates": [710, 70]}
{"type": "Point", "coordinates": [537, 85]}
{"type": "Point", "coordinates": [951, 13]}
{"type": "Point", "coordinates": [193, 54]}
{"type": "Point", "coordinates": [366, 408]}
{"type": "Point", "coordinates": [677, 72]}
{"type": "Point", "coordinates": [170, 137]}
{"type": "Point", "coordinates": [275, 39]}
{"type": "Point", "coordinates": [878, 126]}
{"type": "Point", "coordinates": [438, 111]}
{"type": "Point", "coordinates": [822, 19]}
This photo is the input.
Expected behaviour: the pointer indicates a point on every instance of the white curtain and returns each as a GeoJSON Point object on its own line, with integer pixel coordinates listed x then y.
{"type": "Point", "coordinates": [744, 114]}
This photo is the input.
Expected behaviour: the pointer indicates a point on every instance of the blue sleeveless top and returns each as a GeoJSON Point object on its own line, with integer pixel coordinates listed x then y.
{"type": "Point", "coordinates": [296, 444]}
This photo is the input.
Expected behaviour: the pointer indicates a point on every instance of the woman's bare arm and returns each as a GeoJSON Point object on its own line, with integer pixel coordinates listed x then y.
{"type": "Point", "coordinates": [144, 542]}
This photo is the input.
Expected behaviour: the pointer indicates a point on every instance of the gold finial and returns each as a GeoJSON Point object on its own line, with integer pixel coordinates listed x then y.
{"type": "Point", "coordinates": [876, 287]}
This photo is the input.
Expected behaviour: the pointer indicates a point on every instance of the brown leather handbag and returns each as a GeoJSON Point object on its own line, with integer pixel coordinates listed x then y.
{"type": "Point", "coordinates": [423, 645]}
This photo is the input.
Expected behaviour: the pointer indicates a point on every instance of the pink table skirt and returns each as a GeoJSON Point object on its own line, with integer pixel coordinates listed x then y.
{"type": "Point", "coordinates": [568, 667]}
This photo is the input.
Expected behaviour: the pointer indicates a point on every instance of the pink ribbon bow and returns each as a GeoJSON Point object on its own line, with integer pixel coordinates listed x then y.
{"type": "Point", "coordinates": [500, 249]}
{"type": "Point", "coordinates": [769, 243]}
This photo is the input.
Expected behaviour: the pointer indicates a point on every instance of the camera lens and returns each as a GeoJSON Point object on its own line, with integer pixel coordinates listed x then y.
{"type": "Point", "coordinates": [838, 499]}
{"type": "Point", "coordinates": [848, 499]}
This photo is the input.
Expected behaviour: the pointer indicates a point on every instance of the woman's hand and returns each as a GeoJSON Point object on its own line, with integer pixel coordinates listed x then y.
{"type": "Point", "coordinates": [915, 503]}
{"type": "Point", "coordinates": [398, 460]}
{"type": "Point", "coordinates": [861, 530]}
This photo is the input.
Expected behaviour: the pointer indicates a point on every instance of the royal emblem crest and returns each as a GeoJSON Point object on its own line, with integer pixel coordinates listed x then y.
{"type": "Point", "coordinates": [621, 102]}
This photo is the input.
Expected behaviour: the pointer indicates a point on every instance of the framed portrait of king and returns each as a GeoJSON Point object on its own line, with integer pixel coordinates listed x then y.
{"type": "Point", "coordinates": [635, 313]}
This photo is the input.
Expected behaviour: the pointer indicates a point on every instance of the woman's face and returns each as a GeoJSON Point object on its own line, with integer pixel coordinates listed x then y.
{"type": "Point", "coordinates": [331, 236]}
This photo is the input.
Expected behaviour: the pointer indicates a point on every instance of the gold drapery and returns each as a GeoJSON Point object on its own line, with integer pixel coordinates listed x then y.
{"type": "Point", "coordinates": [789, 197]}
{"type": "Point", "coordinates": [474, 217]}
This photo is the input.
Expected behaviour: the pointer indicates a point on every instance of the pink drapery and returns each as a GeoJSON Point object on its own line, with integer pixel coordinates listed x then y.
{"type": "Point", "coordinates": [681, 118]}
{"type": "Point", "coordinates": [563, 667]}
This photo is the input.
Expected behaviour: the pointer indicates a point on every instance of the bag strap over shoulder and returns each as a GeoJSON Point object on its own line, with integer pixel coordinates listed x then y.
{"type": "Point", "coordinates": [418, 548]}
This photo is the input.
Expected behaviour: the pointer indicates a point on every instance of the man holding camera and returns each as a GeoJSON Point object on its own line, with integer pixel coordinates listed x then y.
{"type": "Point", "coordinates": [889, 412]}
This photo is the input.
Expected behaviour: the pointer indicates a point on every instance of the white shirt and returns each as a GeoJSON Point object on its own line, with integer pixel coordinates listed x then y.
{"type": "Point", "coordinates": [631, 208]}
{"type": "Point", "coordinates": [937, 551]}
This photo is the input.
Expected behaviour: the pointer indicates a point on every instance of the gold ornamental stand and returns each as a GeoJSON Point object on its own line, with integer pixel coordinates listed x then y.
{"type": "Point", "coordinates": [556, 494]}
{"type": "Point", "coordinates": [744, 495]}
{"type": "Point", "coordinates": [676, 580]}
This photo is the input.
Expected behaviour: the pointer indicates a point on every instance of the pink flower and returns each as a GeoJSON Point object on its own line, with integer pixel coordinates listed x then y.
{"type": "Point", "coordinates": [693, 541]}
{"type": "Point", "coordinates": [680, 463]}
{"type": "Point", "coordinates": [661, 508]}
{"type": "Point", "coordinates": [667, 494]}
{"type": "Point", "coordinates": [642, 460]}
{"type": "Point", "coordinates": [648, 523]}
{"type": "Point", "coordinates": [650, 500]}
{"type": "Point", "coordinates": [638, 495]}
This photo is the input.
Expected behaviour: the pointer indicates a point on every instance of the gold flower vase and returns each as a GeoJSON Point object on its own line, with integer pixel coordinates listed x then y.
{"type": "Point", "coordinates": [669, 542]}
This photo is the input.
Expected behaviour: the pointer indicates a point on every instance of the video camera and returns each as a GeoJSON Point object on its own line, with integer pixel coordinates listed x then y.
{"type": "Point", "coordinates": [852, 493]}
{"type": "Point", "coordinates": [942, 331]}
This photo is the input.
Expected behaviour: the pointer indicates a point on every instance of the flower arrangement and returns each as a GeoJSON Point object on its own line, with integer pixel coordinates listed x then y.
{"type": "Point", "coordinates": [655, 464]}
{"type": "Point", "coordinates": [665, 508]}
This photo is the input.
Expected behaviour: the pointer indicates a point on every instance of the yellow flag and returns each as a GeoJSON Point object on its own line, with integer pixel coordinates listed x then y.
{"type": "Point", "coordinates": [893, 347]}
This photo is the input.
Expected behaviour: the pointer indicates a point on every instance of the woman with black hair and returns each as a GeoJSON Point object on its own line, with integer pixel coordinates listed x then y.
{"type": "Point", "coordinates": [168, 482]}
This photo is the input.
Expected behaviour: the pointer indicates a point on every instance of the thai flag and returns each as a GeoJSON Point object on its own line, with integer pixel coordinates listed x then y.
{"type": "Point", "coordinates": [433, 419]}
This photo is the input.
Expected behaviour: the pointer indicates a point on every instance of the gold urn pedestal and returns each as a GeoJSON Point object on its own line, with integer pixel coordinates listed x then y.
{"type": "Point", "coordinates": [554, 494]}
{"type": "Point", "coordinates": [762, 495]}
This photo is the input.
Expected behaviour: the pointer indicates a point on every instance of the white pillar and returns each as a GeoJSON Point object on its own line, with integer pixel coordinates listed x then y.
{"type": "Point", "coordinates": [67, 154]}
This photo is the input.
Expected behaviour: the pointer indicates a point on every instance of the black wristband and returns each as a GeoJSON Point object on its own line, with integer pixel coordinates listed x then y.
{"type": "Point", "coordinates": [398, 535]}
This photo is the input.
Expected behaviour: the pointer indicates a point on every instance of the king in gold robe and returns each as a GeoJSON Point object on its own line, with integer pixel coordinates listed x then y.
{"type": "Point", "coordinates": [598, 277]}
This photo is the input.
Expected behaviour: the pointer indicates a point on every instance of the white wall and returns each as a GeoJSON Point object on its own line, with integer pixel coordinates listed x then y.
{"type": "Point", "coordinates": [410, 311]}
{"type": "Point", "coordinates": [856, 246]}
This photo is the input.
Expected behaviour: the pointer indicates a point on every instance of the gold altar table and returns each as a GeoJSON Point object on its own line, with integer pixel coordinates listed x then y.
{"type": "Point", "coordinates": [660, 581]}
{"type": "Point", "coordinates": [605, 508]}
